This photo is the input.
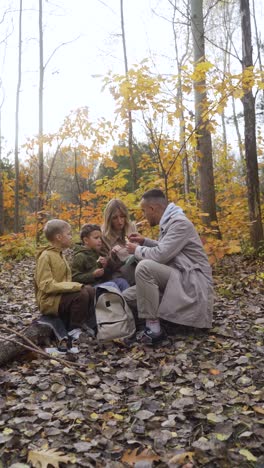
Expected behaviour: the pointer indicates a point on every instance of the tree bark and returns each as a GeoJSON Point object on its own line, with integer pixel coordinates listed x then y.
{"type": "Point", "coordinates": [239, 139]}
{"type": "Point", "coordinates": [9, 351]}
{"type": "Point", "coordinates": [79, 188]}
{"type": "Point", "coordinates": [40, 133]}
{"type": "Point", "coordinates": [204, 142]}
{"type": "Point", "coordinates": [182, 131]}
{"type": "Point", "coordinates": [129, 113]}
{"type": "Point", "coordinates": [16, 217]}
{"type": "Point", "coordinates": [252, 177]}
{"type": "Point", "coordinates": [1, 181]}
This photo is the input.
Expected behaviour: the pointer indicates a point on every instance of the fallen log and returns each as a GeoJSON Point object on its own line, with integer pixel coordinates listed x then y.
{"type": "Point", "coordinates": [14, 345]}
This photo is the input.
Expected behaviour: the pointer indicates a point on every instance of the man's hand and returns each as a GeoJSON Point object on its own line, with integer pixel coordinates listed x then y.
{"type": "Point", "coordinates": [131, 247]}
{"type": "Point", "coordinates": [98, 273]}
{"type": "Point", "coordinates": [103, 261]}
{"type": "Point", "coordinates": [136, 238]}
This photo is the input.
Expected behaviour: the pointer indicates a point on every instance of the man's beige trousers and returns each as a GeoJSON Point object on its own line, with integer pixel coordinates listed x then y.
{"type": "Point", "coordinates": [151, 281]}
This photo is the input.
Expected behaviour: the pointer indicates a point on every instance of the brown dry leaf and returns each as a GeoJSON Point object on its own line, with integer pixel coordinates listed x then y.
{"type": "Point", "coordinates": [258, 409]}
{"type": "Point", "coordinates": [182, 458]}
{"type": "Point", "coordinates": [214, 371]}
{"type": "Point", "coordinates": [131, 457]}
{"type": "Point", "coordinates": [43, 458]}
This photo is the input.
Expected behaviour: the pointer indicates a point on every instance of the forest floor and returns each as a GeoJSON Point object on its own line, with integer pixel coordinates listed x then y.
{"type": "Point", "coordinates": [196, 402]}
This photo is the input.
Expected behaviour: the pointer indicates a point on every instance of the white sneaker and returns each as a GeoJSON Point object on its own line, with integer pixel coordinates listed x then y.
{"type": "Point", "coordinates": [75, 333]}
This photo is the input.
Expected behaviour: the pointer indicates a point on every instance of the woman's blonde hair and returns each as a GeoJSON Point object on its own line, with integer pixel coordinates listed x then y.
{"type": "Point", "coordinates": [111, 207]}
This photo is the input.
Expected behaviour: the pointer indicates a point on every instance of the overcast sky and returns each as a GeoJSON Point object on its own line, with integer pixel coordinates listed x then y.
{"type": "Point", "coordinates": [92, 31]}
{"type": "Point", "coordinates": [94, 28]}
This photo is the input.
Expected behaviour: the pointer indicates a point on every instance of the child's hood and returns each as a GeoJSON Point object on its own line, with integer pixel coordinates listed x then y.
{"type": "Point", "coordinates": [79, 247]}
{"type": "Point", "coordinates": [41, 249]}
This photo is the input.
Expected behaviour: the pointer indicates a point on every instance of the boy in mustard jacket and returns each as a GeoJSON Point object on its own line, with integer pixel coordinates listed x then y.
{"type": "Point", "coordinates": [56, 293]}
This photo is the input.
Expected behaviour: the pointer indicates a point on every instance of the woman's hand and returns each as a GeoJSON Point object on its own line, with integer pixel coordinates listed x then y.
{"type": "Point", "coordinates": [103, 261]}
{"type": "Point", "coordinates": [116, 249]}
{"type": "Point", "coordinates": [136, 238]}
{"type": "Point", "coordinates": [98, 272]}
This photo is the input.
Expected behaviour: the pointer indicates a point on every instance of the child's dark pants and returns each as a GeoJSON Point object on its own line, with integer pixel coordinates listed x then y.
{"type": "Point", "coordinates": [76, 309]}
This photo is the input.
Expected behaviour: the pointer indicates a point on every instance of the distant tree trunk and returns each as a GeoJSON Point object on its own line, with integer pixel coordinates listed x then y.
{"type": "Point", "coordinates": [204, 142]}
{"type": "Point", "coordinates": [2, 225]}
{"type": "Point", "coordinates": [256, 228]}
{"type": "Point", "coordinates": [258, 41]}
{"type": "Point", "coordinates": [40, 133]}
{"type": "Point", "coordinates": [182, 131]}
{"type": "Point", "coordinates": [16, 220]}
{"type": "Point", "coordinates": [239, 139]}
{"type": "Point", "coordinates": [79, 188]}
{"type": "Point", "coordinates": [129, 113]}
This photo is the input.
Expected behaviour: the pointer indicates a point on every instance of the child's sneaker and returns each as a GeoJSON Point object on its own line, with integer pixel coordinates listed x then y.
{"type": "Point", "coordinates": [150, 338]}
{"type": "Point", "coordinates": [74, 334]}
{"type": "Point", "coordinates": [63, 345]}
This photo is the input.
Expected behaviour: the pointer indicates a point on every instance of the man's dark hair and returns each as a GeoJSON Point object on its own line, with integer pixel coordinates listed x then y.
{"type": "Point", "coordinates": [87, 229]}
{"type": "Point", "coordinates": [155, 196]}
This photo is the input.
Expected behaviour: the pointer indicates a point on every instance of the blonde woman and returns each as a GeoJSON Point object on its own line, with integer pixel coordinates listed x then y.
{"type": "Point", "coordinates": [116, 229]}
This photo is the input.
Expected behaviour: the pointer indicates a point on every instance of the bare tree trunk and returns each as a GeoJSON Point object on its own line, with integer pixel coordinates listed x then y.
{"type": "Point", "coordinates": [40, 134]}
{"type": "Point", "coordinates": [51, 167]}
{"type": "Point", "coordinates": [239, 139]}
{"type": "Point", "coordinates": [16, 220]}
{"type": "Point", "coordinates": [204, 142]}
{"type": "Point", "coordinates": [224, 131]}
{"type": "Point", "coordinates": [184, 154]}
{"type": "Point", "coordinates": [129, 113]}
{"type": "Point", "coordinates": [256, 228]}
{"type": "Point", "coordinates": [2, 225]}
{"type": "Point", "coordinates": [79, 188]}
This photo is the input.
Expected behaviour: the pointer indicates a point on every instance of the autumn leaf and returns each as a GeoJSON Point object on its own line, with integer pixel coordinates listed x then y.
{"type": "Point", "coordinates": [182, 458]}
{"type": "Point", "coordinates": [43, 458]}
{"type": "Point", "coordinates": [214, 371]}
{"type": "Point", "coordinates": [131, 457]}
{"type": "Point", "coordinates": [248, 455]}
{"type": "Point", "coordinates": [258, 409]}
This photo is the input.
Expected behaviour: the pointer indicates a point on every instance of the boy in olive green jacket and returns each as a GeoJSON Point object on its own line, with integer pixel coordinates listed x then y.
{"type": "Point", "coordinates": [56, 293]}
{"type": "Point", "coordinates": [88, 267]}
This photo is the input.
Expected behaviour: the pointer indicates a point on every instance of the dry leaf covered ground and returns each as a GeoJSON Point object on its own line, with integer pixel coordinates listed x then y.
{"type": "Point", "coordinates": [196, 402]}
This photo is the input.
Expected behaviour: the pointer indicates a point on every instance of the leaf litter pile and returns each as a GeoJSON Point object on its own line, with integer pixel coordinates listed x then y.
{"type": "Point", "coordinates": [197, 401]}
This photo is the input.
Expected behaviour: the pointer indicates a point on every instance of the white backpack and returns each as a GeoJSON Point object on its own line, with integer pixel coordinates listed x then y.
{"type": "Point", "coordinates": [113, 316]}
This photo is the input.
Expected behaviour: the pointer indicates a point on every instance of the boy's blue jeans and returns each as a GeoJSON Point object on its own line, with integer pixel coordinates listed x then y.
{"type": "Point", "coordinates": [119, 283]}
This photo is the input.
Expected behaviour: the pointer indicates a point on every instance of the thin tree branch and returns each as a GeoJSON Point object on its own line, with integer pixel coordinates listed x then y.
{"type": "Point", "coordinates": [57, 48]}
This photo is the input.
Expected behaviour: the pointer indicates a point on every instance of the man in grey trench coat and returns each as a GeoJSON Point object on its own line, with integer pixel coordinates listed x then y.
{"type": "Point", "coordinates": [173, 277]}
